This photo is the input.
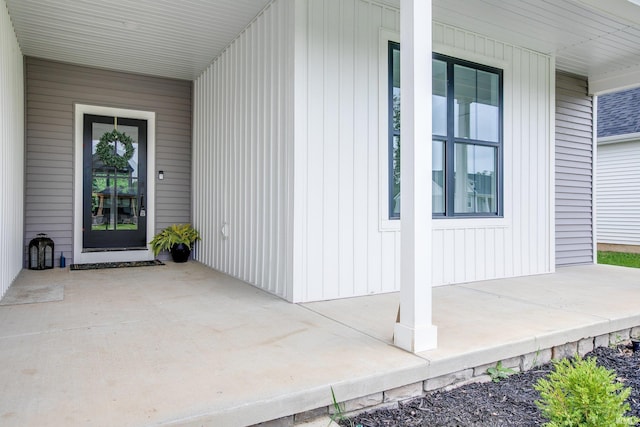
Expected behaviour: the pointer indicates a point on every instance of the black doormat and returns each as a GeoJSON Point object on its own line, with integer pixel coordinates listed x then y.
{"type": "Point", "coordinates": [101, 265]}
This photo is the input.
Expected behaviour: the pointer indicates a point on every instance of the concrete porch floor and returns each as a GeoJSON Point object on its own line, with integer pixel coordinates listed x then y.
{"type": "Point", "coordinates": [182, 344]}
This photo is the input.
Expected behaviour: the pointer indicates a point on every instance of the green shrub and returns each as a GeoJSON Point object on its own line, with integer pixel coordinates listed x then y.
{"type": "Point", "coordinates": [578, 393]}
{"type": "Point", "coordinates": [499, 372]}
{"type": "Point", "coordinates": [174, 235]}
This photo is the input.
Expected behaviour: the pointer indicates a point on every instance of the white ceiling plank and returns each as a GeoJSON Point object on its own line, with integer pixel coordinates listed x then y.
{"type": "Point", "coordinates": [179, 39]}
{"type": "Point", "coordinates": [612, 82]}
{"type": "Point", "coordinates": [583, 35]}
{"type": "Point", "coordinates": [176, 39]}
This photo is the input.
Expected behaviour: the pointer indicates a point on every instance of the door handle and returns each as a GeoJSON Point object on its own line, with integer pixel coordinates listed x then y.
{"type": "Point", "coordinates": [143, 212]}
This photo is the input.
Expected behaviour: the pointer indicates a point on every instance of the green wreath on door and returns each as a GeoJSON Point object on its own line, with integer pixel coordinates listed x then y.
{"type": "Point", "coordinates": [107, 149]}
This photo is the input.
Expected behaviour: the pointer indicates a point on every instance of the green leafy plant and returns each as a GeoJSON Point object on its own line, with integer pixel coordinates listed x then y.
{"type": "Point", "coordinates": [616, 340]}
{"type": "Point", "coordinates": [338, 413]}
{"type": "Point", "coordinates": [499, 372]}
{"type": "Point", "coordinates": [535, 358]}
{"type": "Point", "coordinates": [578, 393]}
{"type": "Point", "coordinates": [109, 153]}
{"type": "Point", "coordinates": [174, 235]}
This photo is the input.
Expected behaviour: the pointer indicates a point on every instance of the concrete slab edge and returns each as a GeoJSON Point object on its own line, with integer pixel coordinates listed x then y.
{"type": "Point", "coordinates": [310, 407]}
{"type": "Point", "coordinates": [308, 400]}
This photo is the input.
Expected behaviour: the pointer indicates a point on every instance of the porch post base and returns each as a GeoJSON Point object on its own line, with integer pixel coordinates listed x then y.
{"type": "Point", "coordinates": [417, 339]}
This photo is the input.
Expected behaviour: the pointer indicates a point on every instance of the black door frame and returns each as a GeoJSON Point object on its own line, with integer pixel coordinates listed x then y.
{"type": "Point", "coordinates": [113, 239]}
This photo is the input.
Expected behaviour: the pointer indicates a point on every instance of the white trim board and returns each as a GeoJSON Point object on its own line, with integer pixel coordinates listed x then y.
{"type": "Point", "coordinates": [79, 256]}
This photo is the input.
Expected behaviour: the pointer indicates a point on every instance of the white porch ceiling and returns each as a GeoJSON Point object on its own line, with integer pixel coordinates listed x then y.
{"type": "Point", "coordinates": [594, 38]}
{"type": "Point", "coordinates": [169, 38]}
{"type": "Point", "coordinates": [179, 39]}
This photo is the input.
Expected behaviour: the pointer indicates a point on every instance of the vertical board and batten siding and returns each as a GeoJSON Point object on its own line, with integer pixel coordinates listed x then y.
{"type": "Point", "coordinates": [342, 250]}
{"type": "Point", "coordinates": [574, 171]}
{"type": "Point", "coordinates": [519, 244]}
{"type": "Point", "coordinates": [11, 152]}
{"type": "Point", "coordinates": [52, 90]}
{"type": "Point", "coordinates": [243, 147]}
{"type": "Point", "coordinates": [618, 195]}
{"type": "Point", "coordinates": [339, 249]}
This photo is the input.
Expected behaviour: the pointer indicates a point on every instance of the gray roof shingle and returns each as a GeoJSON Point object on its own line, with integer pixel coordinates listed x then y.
{"type": "Point", "coordinates": [619, 113]}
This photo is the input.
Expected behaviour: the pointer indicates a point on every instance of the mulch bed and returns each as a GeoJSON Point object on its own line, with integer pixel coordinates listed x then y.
{"type": "Point", "coordinates": [509, 402]}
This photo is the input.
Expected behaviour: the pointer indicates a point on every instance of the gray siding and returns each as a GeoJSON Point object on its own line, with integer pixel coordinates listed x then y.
{"type": "Point", "coordinates": [574, 171]}
{"type": "Point", "coordinates": [52, 90]}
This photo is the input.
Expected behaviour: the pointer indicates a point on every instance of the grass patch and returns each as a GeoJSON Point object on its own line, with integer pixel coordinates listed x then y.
{"type": "Point", "coordinates": [619, 258]}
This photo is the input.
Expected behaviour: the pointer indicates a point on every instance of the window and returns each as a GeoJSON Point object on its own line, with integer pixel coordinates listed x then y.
{"type": "Point", "coordinates": [467, 137]}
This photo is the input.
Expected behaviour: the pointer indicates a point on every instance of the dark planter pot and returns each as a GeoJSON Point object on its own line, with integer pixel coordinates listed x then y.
{"type": "Point", "coordinates": [180, 252]}
{"type": "Point", "coordinates": [635, 343]}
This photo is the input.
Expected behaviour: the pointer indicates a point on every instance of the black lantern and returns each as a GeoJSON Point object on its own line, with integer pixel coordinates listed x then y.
{"type": "Point", "coordinates": [41, 252]}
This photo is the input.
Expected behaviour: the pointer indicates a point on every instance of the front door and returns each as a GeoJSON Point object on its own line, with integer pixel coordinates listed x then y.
{"type": "Point", "coordinates": [114, 183]}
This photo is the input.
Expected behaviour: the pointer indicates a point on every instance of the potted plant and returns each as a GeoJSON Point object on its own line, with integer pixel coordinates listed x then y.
{"type": "Point", "coordinates": [177, 239]}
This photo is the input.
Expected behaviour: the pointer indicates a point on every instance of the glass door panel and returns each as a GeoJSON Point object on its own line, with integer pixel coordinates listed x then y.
{"type": "Point", "coordinates": [114, 194]}
{"type": "Point", "coordinates": [114, 191]}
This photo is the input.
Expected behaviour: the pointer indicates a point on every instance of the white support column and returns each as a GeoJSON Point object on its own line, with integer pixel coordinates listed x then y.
{"type": "Point", "coordinates": [415, 331]}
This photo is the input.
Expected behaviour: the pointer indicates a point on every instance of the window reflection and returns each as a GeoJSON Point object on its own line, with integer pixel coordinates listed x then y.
{"type": "Point", "coordinates": [114, 193]}
{"type": "Point", "coordinates": [475, 179]}
{"type": "Point", "coordinates": [438, 182]}
{"type": "Point", "coordinates": [477, 106]}
{"type": "Point", "coordinates": [466, 145]}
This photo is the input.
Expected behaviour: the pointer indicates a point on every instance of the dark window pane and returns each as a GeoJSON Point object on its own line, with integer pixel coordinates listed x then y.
{"type": "Point", "coordinates": [395, 192]}
{"type": "Point", "coordinates": [477, 104]}
{"type": "Point", "coordinates": [439, 97]}
{"type": "Point", "coordinates": [438, 186]}
{"type": "Point", "coordinates": [395, 102]}
{"type": "Point", "coordinates": [394, 131]}
{"type": "Point", "coordinates": [475, 179]}
{"type": "Point", "coordinates": [465, 175]}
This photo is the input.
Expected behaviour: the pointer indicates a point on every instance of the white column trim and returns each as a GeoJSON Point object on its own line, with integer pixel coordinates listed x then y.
{"type": "Point", "coordinates": [551, 192]}
{"type": "Point", "coordinates": [112, 256]}
{"type": "Point", "coordinates": [415, 331]}
{"type": "Point", "coordinates": [594, 177]}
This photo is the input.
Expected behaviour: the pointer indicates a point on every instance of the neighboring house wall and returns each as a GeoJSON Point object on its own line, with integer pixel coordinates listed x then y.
{"type": "Point", "coordinates": [52, 90]}
{"type": "Point", "coordinates": [618, 195]}
{"type": "Point", "coordinates": [242, 164]}
{"type": "Point", "coordinates": [574, 171]}
{"type": "Point", "coordinates": [11, 152]}
{"type": "Point", "coordinates": [618, 175]}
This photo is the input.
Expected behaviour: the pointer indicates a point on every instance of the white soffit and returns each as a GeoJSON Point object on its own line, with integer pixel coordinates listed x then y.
{"type": "Point", "coordinates": [594, 38]}
{"type": "Point", "coordinates": [169, 38]}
